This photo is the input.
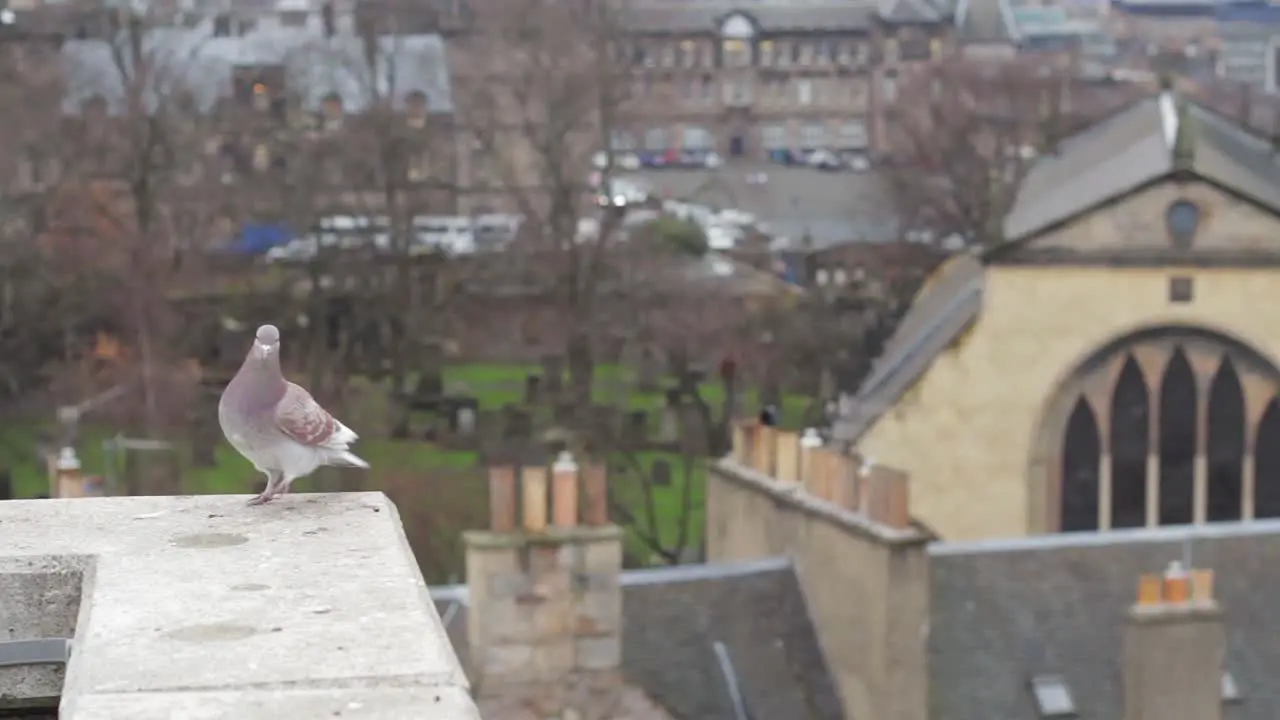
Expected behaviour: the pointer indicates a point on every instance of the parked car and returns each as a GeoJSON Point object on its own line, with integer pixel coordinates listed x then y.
{"type": "Point", "coordinates": [296, 250]}
{"type": "Point", "coordinates": [823, 160]}
{"type": "Point", "coordinates": [454, 234]}
{"type": "Point", "coordinates": [492, 229]}
{"type": "Point", "coordinates": [623, 160]}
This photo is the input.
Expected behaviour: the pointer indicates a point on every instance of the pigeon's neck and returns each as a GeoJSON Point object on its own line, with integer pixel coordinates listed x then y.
{"type": "Point", "coordinates": [260, 382]}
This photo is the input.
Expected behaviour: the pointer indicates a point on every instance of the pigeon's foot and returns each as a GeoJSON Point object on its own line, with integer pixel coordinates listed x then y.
{"type": "Point", "coordinates": [259, 499]}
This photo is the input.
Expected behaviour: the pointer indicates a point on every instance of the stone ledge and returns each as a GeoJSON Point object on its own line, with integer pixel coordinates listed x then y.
{"type": "Point", "coordinates": [202, 607]}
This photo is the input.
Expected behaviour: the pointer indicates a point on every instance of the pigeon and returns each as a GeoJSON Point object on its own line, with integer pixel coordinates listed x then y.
{"type": "Point", "coordinates": [276, 424]}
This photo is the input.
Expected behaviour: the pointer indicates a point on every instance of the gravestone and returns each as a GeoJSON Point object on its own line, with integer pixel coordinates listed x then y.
{"type": "Point", "coordinates": [533, 389]}
{"type": "Point", "coordinates": [604, 421]}
{"type": "Point", "coordinates": [563, 412]}
{"type": "Point", "coordinates": [463, 419]}
{"type": "Point", "coordinates": [650, 370]}
{"type": "Point", "coordinates": [517, 423]}
{"type": "Point", "coordinates": [490, 429]}
{"type": "Point", "coordinates": [553, 373]}
{"type": "Point", "coordinates": [660, 473]}
{"type": "Point", "coordinates": [669, 424]}
{"type": "Point", "coordinates": [429, 388]}
{"type": "Point", "coordinates": [636, 431]}
{"type": "Point", "coordinates": [693, 431]}
{"type": "Point", "coordinates": [677, 361]}
{"type": "Point", "coordinates": [692, 377]}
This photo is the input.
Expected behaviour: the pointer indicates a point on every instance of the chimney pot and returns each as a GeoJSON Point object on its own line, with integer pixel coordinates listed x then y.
{"type": "Point", "coordinates": [564, 491]}
{"type": "Point", "coordinates": [764, 450]}
{"type": "Point", "coordinates": [742, 437]}
{"type": "Point", "coordinates": [888, 502]}
{"type": "Point", "coordinates": [595, 492]}
{"type": "Point", "coordinates": [788, 461]}
{"type": "Point", "coordinates": [1177, 584]}
{"type": "Point", "coordinates": [502, 499]}
{"type": "Point", "coordinates": [534, 487]}
{"type": "Point", "coordinates": [1150, 591]}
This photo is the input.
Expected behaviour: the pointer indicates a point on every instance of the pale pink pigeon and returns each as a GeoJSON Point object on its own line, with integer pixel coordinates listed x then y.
{"type": "Point", "coordinates": [277, 425]}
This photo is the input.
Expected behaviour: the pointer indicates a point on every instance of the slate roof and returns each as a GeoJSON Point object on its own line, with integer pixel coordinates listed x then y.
{"type": "Point", "coordinates": [1141, 143]}
{"type": "Point", "coordinates": [656, 16]}
{"type": "Point", "coordinates": [985, 21]}
{"type": "Point", "coordinates": [1006, 610]}
{"type": "Point", "coordinates": [674, 617]}
{"type": "Point", "coordinates": [910, 11]}
{"type": "Point", "coordinates": [193, 59]}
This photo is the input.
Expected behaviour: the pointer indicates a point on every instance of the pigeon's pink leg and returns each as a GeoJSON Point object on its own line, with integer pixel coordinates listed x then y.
{"type": "Point", "coordinates": [267, 493]}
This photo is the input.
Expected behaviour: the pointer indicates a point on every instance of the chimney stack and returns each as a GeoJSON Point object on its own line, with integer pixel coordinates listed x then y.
{"type": "Point", "coordinates": [847, 481]}
{"type": "Point", "coordinates": [545, 599]}
{"type": "Point", "coordinates": [1174, 648]}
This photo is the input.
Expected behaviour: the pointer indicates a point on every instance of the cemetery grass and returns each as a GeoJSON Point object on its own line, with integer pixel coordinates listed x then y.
{"type": "Point", "coordinates": [496, 385]}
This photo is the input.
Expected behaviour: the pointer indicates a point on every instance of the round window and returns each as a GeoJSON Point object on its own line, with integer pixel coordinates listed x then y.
{"type": "Point", "coordinates": [1182, 219]}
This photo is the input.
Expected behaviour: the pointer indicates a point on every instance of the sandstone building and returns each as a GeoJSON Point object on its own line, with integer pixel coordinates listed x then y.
{"type": "Point", "coordinates": [1104, 365]}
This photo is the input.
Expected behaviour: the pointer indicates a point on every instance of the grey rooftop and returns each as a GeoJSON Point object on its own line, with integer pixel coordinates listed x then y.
{"type": "Point", "coordinates": [201, 607]}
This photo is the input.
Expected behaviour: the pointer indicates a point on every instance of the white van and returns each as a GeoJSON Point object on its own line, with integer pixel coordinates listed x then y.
{"type": "Point", "coordinates": [454, 234]}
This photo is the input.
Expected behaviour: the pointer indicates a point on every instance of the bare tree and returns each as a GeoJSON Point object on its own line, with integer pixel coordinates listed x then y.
{"type": "Point", "coordinates": [964, 135]}
{"type": "Point", "coordinates": [124, 199]}
{"type": "Point", "coordinates": [541, 90]}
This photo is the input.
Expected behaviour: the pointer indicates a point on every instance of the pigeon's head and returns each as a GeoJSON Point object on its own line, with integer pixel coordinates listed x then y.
{"type": "Point", "coordinates": [267, 342]}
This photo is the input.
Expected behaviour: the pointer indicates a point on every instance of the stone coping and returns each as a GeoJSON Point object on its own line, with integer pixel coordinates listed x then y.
{"type": "Point", "coordinates": [202, 607]}
{"type": "Point", "coordinates": [550, 536]}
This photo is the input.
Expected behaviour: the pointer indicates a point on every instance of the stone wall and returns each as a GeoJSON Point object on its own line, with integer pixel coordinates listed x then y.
{"type": "Point", "coordinates": [860, 559]}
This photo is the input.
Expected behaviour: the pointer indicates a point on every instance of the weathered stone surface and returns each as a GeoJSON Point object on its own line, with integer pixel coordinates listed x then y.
{"type": "Point", "coordinates": [202, 607]}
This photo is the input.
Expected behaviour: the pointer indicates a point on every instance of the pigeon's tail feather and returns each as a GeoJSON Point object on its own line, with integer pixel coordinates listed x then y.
{"type": "Point", "coordinates": [342, 436]}
{"type": "Point", "coordinates": [348, 459]}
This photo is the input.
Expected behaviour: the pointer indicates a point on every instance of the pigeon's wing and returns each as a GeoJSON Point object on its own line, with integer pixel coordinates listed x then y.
{"type": "Point", "coordinates": [300, 417]}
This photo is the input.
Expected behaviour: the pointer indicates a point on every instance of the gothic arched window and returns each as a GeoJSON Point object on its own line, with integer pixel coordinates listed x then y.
{"type": "Point", "coordinates": [1081, 452]}
{"type": "Point", "coordinates": [1177, 411]}
{"type": "Point", "coordinates": [1130, 437]}
{"type": "Point", "coordinates": [1225, 445]}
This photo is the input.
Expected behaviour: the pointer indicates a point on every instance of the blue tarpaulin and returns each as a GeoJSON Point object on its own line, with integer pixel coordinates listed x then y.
{"type": "Point", "coordinates": [255, 239]}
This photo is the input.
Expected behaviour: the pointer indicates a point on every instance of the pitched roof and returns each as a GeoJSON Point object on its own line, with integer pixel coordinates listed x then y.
{"type": "Point", "coordinates": [945, 307]}
{"type": "Point", "coordinates": [1142, 143]}
{"type": "Point", "coordinates": [692, 632]}
{"type": "Point", "coordinates": [985, 21]}
{"type": "Point", "coordinates": [910, 11]}
{"type": "Point", "coordinates": [1006, 610]}
{"type": "Point", "coordinates": [194, 59]}
{"type": "Point", "coordinates": [656, 16]}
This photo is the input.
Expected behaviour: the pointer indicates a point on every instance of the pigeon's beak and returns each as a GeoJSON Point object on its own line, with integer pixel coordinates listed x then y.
{"type": "Point", "coordinates": [264, 351]}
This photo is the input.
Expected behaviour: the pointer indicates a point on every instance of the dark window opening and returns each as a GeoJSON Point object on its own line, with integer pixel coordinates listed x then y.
{"type": "Point", "coordinates": [1130, 436]}
{"type": "Point", "coordinates": [1225, 445]}
{"type": "Point", "coordinates": [1177, 442]}
{"type": "Point", "coordinates": [1081, 450]}
{"type": "Point", "coordinates": [1267, 464]}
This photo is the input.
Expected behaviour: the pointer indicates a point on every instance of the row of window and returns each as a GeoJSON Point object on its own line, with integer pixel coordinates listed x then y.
{"type": "Point", "coordinates": [770, 53]}
{"type": "Point", "coordinates": [38, 172]}
{"type": "Point", "coordinates": [783, 91]}
{"type": "Point", "coordinates": [850, 134]}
